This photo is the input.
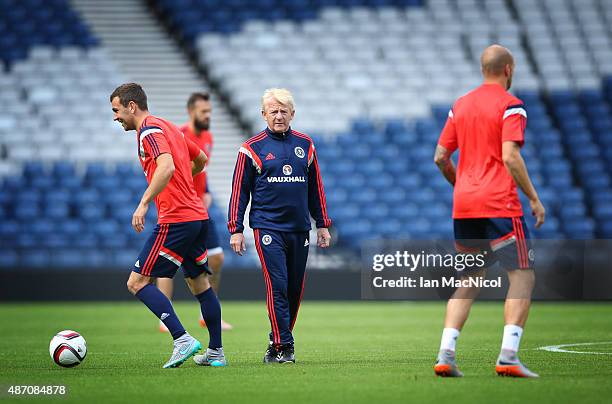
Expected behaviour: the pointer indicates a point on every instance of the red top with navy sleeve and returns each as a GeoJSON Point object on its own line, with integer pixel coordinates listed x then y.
{"type": "Point", "coordinates": [205, 141]}
{"type": "Point", "coordinates": [477, 125]}
{"type": "Point", "coordinates": [178, 201]}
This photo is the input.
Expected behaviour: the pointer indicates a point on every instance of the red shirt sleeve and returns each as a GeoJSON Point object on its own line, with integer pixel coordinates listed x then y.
{"type": "Point", "coordinates": [514, 123]}
{"type": "Point", "coordinates": [448, 137]}
{"type": "Point", "coordinates": [156, 144]}
{"type": "Point", "coordinates": [194, 149]}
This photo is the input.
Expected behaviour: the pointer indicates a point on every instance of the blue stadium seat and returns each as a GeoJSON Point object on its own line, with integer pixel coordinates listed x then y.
{"type": "Point", "coordinates": [85, 241]}
{"type": "Point", "coordinates": [579, 228]}
{"type": "Point", "coordinates": [87, 196]}
{"type": "Point", "coordinates": [26, 211]}
{"type": "Point", "coordinates": [120, 198]}
{"type": "Point", "coordinates": [420, 228]}
{"type": "Point", "coordinates": [33, 169]}
{"type": "Point", "coordinates": [57, 210]}
{"type": "Point", "coordinates": [394, 127]}
{"type": "Point", "coordinates": [409, 182]}
{"type": "Point", "coordinates": [442, 228]}
{"type": "Point", "coordinates": [364, 196]}
{"type": "Point", "coordinates": [389, 228]}
{"type": "Point", "coordinates": [596, 184]}
{"type": "Point", "coordinates": [370, 167]}
{"type": "Point", "coordinates": [69, 184]}
{"type": "Point", "coordinates": [43, 183]}
{"type": "Point", "coordinates": [393, 197]}
{"type": "Point", "coordinates": [397, 167]}
{"type": "Point", "coordinates": [344, 213]}
{"type": "Point", "coordinates": [436, 210]}
{"type": "Point", "coordinates": [57, 196]}
{"type": "Point", "coordinates": [602, 213]}
{"type": "Point", "coordinates": [63, 169]}
{"type": "Point", "coordinates": [91, 212]}
{"type": "Point", "coordinates": [123, 258]}
{"type": "Point", "coordinates": [355, 231]}
{"type": "Point", "coordinates": [605, 230]}
{"type": "Point", "coordinates": [57, 241]}
{"type": "Point", "coordinates": [35, 258]}
{"type": "Point", "coordinates": [67, 258]}
{"type": "Point", "coordinates": [407, 211]}
{"type": "Point", "coordinates": [364, 128]}
{"type": "Point", "coordinates": [8, 258]}
{"type": "Point", "coordinates": [404, 139]}
{"type": "Point", "coordinates": [135, 183]}
{"type": "Point", "coordinates": [106, 184]}
{"type": "Point", "coordinates": [337, 196]}
{"type": "Point", "coordinates": [95, 171]}
{"type": "Point", "coordinates": [114, 241]}
{"type": "Point", "coordinates": [603, 197]}
{"type": "Point", "coordinates": [573, 210]}
{"type": "Point", "coordinates": [381, 182]}
{"type": "Point", "coordinates": [71, 227]}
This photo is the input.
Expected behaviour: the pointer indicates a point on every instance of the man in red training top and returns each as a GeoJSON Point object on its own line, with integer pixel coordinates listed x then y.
{"type": "Point", "coordinates": [487, 126]}
{"type": "Point", "coordinates": [199, 109]}
{"type": "Point", "coordinates": [169, 161]}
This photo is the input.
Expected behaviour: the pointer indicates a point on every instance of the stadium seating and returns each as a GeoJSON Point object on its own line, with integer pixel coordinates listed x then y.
{"type": "Point", "coordinates": [373, 81]}
{"type": "Point", "coordinates": [68, 179]}
{"type": "Point", "coordinates": [28, 23]}
{"type": "Point", "coordinates": [57, 217]}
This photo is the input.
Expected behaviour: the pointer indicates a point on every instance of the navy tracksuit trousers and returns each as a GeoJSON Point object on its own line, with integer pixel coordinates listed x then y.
{"type": "Point", "coordinates": [283, 258]}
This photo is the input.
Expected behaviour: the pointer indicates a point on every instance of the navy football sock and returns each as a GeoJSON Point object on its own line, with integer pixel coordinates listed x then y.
{"type": "Point", "coordinates": [211, 313]}
{"type": "Point", "coordinates": [159, 304]}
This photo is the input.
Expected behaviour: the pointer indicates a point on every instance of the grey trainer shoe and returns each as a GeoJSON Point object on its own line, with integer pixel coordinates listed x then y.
{"type": "Point", "coordinates": [212, 357]}
{"type": "Point", "coordinates": [184, 348]}
{"type": "Point", "coordinates": [445, 364]}
{"type": "Point", "coordinates": [508, 364]}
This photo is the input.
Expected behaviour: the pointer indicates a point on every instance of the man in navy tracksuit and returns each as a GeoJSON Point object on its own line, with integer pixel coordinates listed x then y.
{"type": "Point", "coordinates": [278, 171]}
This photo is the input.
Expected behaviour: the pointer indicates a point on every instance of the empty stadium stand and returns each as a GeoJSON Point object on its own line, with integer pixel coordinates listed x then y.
{"type": "Point", "coordinates": [373, 82]}
{"type": "Point", "coordinates": [68, 174]}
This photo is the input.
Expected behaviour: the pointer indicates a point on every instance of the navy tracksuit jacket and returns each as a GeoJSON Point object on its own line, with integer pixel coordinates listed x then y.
{"type": "Point", "coordinates": [279, 174]}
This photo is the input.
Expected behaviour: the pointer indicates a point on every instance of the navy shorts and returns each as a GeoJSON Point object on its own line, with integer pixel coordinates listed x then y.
{"type": "Point", "coordinates": [505, 240]}
{"type": "Point", "coordinates": [173, 246]}
{"type": "Point", "coordinates": [212, 240]}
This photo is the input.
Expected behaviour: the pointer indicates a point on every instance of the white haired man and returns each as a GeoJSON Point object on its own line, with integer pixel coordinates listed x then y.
{"type": "Point", "coordinates": [277, 171]}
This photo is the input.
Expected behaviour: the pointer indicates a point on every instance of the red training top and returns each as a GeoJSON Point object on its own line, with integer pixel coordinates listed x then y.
{"type": "Point", "coordinates": [477, 125]}
{"type": "Point", "coordinates": [178, 201]}
{"type": "Point", "coordinates": [205, 141]}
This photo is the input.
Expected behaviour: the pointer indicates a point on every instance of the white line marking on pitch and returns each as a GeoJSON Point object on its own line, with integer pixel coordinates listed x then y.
{"type": "Point", "coordinates": [559, 348]}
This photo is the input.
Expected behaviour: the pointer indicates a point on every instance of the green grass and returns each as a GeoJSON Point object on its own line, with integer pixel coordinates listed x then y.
{"type": "Point", "coordinates": [346, 352]}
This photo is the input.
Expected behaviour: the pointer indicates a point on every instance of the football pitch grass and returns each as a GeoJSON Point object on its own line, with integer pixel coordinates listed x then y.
{"type": "Point", "coordinates": [353, 352]}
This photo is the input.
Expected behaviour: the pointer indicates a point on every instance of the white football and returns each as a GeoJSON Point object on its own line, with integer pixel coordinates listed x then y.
{"type": "Point", "coordinates": [68, 348]}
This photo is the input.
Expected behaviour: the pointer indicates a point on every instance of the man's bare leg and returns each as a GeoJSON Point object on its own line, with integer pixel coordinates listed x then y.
{"type": "Point", "coordinates": [516, 311]}
{"type": "Point", "coordinates": [457, 312]}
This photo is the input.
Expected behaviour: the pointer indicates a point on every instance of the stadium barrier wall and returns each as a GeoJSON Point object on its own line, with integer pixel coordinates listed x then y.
{"type": "Point", "coordinates": [592, 283]}
{"type": "Point", "coordinates": [49, 285]}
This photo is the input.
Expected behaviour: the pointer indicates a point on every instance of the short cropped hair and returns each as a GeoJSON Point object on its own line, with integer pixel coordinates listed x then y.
{"type": "Point", "coordinates": [281, 95]}
{"type": "Point", "coordinates": [131, 92]}
{"type": "Point", "coordinates": [204, 96]}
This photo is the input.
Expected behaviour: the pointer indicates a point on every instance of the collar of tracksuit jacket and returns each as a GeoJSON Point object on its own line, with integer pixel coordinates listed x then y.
{"type": "Point", "coordinates": [278, 136]}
